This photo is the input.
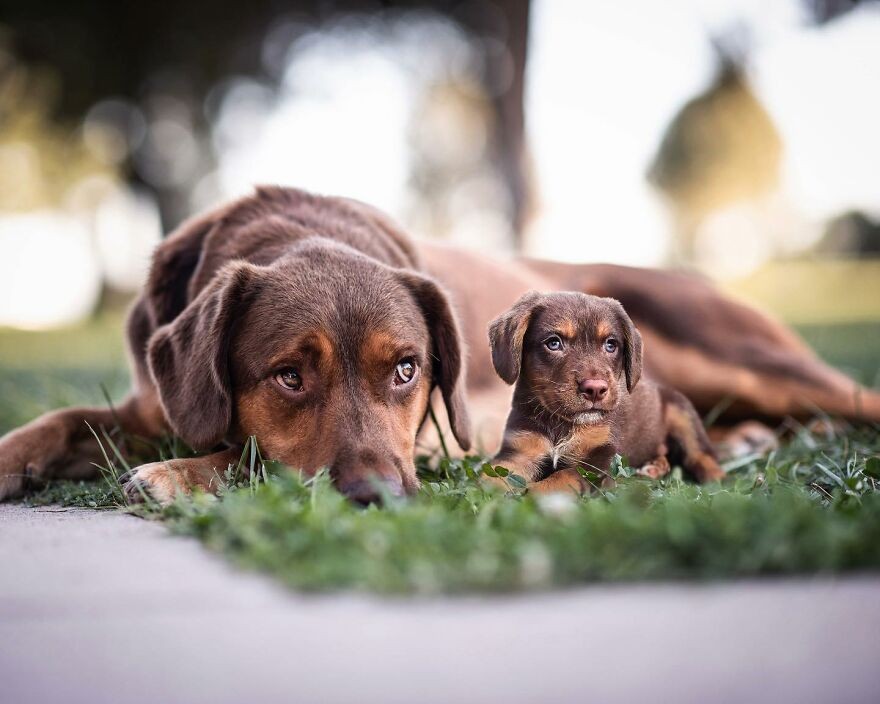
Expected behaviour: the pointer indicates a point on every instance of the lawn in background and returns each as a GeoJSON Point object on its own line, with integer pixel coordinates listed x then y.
{"type": "Point", "coordinates": [40, 371]}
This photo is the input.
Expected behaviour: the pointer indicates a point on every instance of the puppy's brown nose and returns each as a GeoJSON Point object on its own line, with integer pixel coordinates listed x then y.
{"type": "Point", "coordinates": [593, 389]}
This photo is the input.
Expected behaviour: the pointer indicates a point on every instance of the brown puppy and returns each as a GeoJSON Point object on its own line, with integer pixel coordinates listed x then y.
{"type": "Point", "coordinates": [576, 361]}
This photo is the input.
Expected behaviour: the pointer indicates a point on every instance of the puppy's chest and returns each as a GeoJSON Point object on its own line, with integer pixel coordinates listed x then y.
{"type": "Point", "coordinates": [578, 445]}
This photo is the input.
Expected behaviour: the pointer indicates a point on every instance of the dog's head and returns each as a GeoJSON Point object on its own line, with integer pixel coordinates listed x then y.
{"type": "Point", "coordinates": [572, 354]}
{"type": "Point", "coordinates": [326, 356]}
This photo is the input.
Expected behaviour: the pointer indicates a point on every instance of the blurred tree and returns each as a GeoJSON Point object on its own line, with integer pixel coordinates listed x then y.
{"type": "Point", "coordinates": [721, 148]}
{"type": "Point", "coordinates": [826, 10]}
{"type": "Point", "coordinates": [39, 160]}
{"type": "Point", "coordinates": [507, 23]}
{"type": "Point", "coordinates": [852, 234]}
{"type": "Point", "coordinates": [141, 51]}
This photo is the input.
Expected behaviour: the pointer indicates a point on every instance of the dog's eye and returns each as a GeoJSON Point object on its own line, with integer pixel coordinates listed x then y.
{"type": "Point", "coordinates": [554, 344]}
{"type": "Point", "coordinates": [610, 345]}
{"type": "Point", "coordinates": [404, 371]}
{"type": "Point", "coordinates": [289, 379]}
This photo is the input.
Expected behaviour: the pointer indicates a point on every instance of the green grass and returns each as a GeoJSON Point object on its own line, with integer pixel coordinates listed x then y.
{"type": "Point", "coordinates": [784, 516]}
{"type": "Point", "coordinates": [811, 507]}
{"type": "Point", "coordinates": [50, 369]}
{"type": "Point", "coordinates": [851, 347]}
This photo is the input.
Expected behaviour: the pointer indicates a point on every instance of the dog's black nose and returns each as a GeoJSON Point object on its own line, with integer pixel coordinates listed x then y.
{"type": "Point", "coordinates": [593, 389]}
{"type": "Point", "coordinates": [369, 491]}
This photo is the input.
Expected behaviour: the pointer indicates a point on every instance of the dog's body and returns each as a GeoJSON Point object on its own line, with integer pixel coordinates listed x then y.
{"type": "Point", "coordinates": [318, 326]}
{"type": "Point", "coordinates": [580, 399]}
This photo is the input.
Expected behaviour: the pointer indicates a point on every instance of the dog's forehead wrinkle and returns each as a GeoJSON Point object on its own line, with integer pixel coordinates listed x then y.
{"type": "Point", "coordinates": [356, 294]}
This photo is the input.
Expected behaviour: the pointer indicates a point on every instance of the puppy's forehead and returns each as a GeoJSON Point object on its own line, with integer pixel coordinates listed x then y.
{"type": "Point", "coordinates": [578, 314]}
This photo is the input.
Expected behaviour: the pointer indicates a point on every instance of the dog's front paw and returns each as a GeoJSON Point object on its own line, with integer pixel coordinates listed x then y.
{"type": "Point", "coordinates": [156, 481]}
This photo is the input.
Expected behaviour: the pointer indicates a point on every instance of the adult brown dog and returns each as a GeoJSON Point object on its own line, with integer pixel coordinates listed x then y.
{"type": "Point", "coordinates": [318, 326]}
{"type": "Point", "coordinates": [580, 398]}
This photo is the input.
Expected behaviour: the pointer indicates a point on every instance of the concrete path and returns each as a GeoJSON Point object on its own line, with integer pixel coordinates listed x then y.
{"type": "Point", "coordinates": [103, 607]}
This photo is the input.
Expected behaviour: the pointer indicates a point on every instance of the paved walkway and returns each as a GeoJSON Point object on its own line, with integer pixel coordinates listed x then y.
{"type": "Point", "coordinates": [103, 607]}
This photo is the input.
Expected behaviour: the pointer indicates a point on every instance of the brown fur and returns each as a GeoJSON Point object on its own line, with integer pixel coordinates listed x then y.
{"type": "Point", "coordinates": [523, 451]}
{"type": "Point", "coordinates": [285, 274]}
{"type": "Point", "coordinates": [566, 427]}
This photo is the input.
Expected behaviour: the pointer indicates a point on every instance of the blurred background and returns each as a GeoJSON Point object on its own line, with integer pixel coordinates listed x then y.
{"type": "Point", "coordinates": [739, 138]}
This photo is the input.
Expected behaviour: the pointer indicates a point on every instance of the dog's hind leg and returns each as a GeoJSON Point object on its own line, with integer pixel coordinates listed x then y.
{"type": "Point", "coordinates": [716, 350]}
{"type": "Point", "coordinates": [686, 432]}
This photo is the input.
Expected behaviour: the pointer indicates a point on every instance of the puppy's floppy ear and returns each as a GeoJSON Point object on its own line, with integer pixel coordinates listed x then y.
{"type": "Point", "coordinates": [188, 358]}
{"type": "Point", "coordinates": [632, 346]}
{"type": "Point", "coordinates": [448, 352]}
{"type": "Point", "coordinates": [506, 335]}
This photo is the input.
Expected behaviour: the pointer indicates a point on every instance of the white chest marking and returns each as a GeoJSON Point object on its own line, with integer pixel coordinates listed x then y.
{"type": "Point", "coordinates": [559, 450]}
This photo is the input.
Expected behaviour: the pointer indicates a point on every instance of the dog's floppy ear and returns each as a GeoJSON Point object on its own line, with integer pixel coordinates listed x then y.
{"type": "Point", "coordinates": [632, 346]}
{"type": "Point", "coordinates": [506, 335]}
{"type": "Point", "coordinates": [188, 358]}
{"type": "Point", "coordinates": [174, 262]}
{"type": "Point", "coordinates": [448, 352]}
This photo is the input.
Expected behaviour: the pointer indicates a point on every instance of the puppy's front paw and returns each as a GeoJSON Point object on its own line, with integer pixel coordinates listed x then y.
{"type": "Point", "coordinates": [157, 481]}
{"type": "Point", "coordinates": [655, 469]}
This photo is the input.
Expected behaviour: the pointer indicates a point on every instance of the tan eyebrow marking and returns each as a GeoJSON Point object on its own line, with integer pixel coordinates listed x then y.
{"type": "Point", "coordinates": [315, 343]}
{"type": "Point", "coordinates": [603, 330]}
{"type": "Point", "coordinates": [379, 346]}
{"type": "Point", "coordinates": [567, 329]}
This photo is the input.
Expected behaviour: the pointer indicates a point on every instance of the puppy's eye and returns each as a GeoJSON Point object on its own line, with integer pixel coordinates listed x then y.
{"type": "Point", "coordinates": [404, 371]}
{"type": "Point", "coordinates": [554, 344]}
{"type": "Point", "coordinates": [289, 379]}
{"type": "Point", "coordinates": [610, 345]}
